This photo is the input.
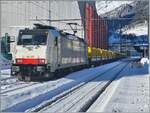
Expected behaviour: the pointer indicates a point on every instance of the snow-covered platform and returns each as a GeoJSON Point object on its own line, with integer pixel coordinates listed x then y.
{"type": "Point", "coordinates": [128, 93]}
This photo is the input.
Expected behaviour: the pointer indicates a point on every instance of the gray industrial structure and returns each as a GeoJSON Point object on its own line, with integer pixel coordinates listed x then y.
{"type": "Point", "coordinates": [16, 15]}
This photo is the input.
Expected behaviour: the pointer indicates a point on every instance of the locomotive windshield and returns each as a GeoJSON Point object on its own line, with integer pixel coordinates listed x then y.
{"type": "Point", "coordinates": [32, 39]}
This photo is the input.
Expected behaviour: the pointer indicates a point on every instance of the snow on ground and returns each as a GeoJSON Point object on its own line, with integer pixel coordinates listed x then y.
{"type": "Point", "coordinates": [128, 93]}
{"type": "Point", "coordinates": [4, 73]}
{"type": "Point", "coordinates": [4, 67]}
{"type": "Point", "coordinates": [76, 100]}
{"type": "Point", "coordinates": [23, 99]}
{"type": "Point", "coordinates": [4, 63]}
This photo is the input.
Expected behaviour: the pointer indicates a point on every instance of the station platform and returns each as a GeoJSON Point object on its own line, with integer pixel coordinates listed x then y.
{"type": "Point", "coordinates": [128, 93]}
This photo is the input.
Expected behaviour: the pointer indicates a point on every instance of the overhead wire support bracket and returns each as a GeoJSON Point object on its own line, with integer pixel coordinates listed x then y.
{"type": "Point", "coordinates": [73, 29]}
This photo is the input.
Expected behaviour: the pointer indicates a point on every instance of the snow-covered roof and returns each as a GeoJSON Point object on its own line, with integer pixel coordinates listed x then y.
{"type": "Point", "coordinates": [141, 29]}
{"type": "Point", "coordinates": [107, 6]}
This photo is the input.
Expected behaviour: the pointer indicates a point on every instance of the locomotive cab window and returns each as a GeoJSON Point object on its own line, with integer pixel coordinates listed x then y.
{"type": "Point", "coordinates": [32, 39]}
{"type": "Point", "coordinates": [26, 39]}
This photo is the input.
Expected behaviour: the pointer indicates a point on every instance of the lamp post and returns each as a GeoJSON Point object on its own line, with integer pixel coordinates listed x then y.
{"type": "Point", "coordinates": [49, 12]}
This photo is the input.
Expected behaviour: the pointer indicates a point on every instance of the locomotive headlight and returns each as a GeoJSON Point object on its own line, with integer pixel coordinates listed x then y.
{"type": "Point", "coordinates": [42, 61]}
{"type": "Point", "coordinates": [19, 60]}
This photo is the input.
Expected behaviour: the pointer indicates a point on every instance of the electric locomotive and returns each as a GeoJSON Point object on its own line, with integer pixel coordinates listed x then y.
{"type": "Point", "coordinates": [43, 51]}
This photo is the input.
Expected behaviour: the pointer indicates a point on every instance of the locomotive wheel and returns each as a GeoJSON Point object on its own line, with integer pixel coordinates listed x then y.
{"type": "Point", "coordinates": [27, 78]}
{"type": "Point", "coordinates": [20, 77]}
{"type": "Point", "coordinates": [12, 74]}
{"type": "Point", "coordinates": [49, 75]}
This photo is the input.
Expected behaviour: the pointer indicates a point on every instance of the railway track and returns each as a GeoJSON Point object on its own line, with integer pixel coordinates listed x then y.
{"type": "Point", "coordinates": [73, 98]}
{"type": "Point", "coordinates": [19, 86]}
{"type": "Point", "coordinates": [11, 84]}
{"type": "Point", "coordinates": [8, 78]}
{"type": "Point", "coordinates": [8, 81]}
